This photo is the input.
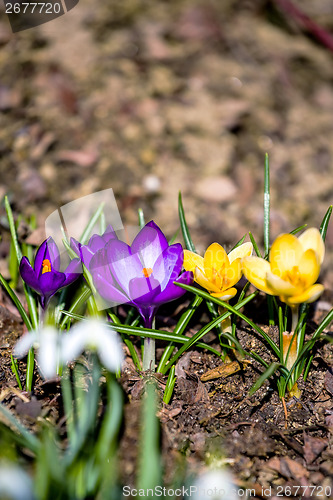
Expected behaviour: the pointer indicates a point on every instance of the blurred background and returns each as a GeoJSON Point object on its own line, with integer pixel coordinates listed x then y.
{"type": "Point", "coordinates": [152, 97]}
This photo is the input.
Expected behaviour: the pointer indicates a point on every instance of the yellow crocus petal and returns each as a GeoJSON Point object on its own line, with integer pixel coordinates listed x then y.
{"type": "Point", "coordinates": [311, 239]}
{"type": "Point", "coordinates": [202, 280]}
{"type": "Point", "coordinates": [285, 254]}
{"type": "Point", "coordinates": [282, 287]}
{"type": "Point", "coordinates": [192, 260]}
{"type": "Point", "coordinates": [233, 273]}
{"type": "Point", "coordinates": [310, 295]}
{"type": "Point", "coordinates": [255, 271]}
{"type": "Point", "coordinates": [309, 268]}
{"type": "Point", "coordinates": [244, 250]}
{"type": "Point", "coordinates": [226, 294]}
{"type": "Point", "coordinates": [215, 259]}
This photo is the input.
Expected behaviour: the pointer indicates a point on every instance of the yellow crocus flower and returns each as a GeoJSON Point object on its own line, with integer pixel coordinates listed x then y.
{"type": "Point", "coordinates": [292, 270]}
{"type": "Point", "coordinates": [218, 271]}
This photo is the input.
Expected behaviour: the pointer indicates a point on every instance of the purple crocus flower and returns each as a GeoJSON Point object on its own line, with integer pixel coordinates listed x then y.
{"type": "Point", "coordinates": [96, 242]}
{"type": "Point", "coordinates": [142, 274]}
{"type": "Point", "coordinates": [45, 277]}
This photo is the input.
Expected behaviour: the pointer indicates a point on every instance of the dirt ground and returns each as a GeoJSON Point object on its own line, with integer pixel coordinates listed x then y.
{"type": "Point", "coordinates": [149, 98]}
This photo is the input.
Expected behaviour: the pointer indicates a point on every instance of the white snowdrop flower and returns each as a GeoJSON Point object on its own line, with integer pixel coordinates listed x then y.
{"type": "Point", "coordinates": [15, 484]}
{"type": "Point", "coordinates": [94, 335]}
{"type": "Point", "coordinates": [214, 485]}
{"type": "Point", "coordinates": [47, 342]}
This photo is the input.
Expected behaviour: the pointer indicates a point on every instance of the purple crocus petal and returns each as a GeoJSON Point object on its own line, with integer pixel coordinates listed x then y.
{"type": "Point", "coordinates": [169, 264]}
{"type": "Point", "coordinates": [143, 290]}
{"type": "Point", "coordinates": [109, 234]}
{"type": "Point", "coordinates": [75, 245]}
{"type": "Point", "coordinates": [123, 265]}
{"type": "Point", "coordinates": [29, 275]}
{"type": "Point", "coordinates": [72, 271]}
{"type": "Point", "coordinates": [149, 243]}
{"type": "Point", "coordinates": [95, 243]}
{"type": "Point", "coordinates": [172, 291]}
{"type": "Point", "coordinates": [108, 291]}
{"type": "Point", "coordinates": [48, 250]}
{"type": "Point", "coordinates": [86, 254]}
{"type": "Point", "coordinates": [51, 282]}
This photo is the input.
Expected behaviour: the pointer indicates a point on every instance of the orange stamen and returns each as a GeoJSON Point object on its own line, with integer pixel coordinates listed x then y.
{"type": "Point", "coordinates": [147, 271]}
{"type": "Point", "coordinates": [46, 266]}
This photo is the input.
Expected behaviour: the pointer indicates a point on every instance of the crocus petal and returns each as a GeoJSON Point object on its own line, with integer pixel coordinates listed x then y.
{"type": "Point", "coordinates": [192, 260]}
{"type": "Point", "coordinates": [108, 291]}
{"type": "Point", "coordinates": [244, 250]}
{"type": "Point", "coordinates": [201, 279]}
{"type": "Point", "coordinates": [233, 273]}
{"type": "Point", "coordinates": [51, 282]}
{"type": "Point", "coordinates": [29, 275]}
{"type": "Point", "coordinates": [215, 259]}
{"type": "Point", "coordinates": [310, 295]}
{"type": "Point", "coordinates": [95, 243]}
{"type": "Point", "coordinates": [311, 239]}
{"type": "Point", "coordinates": [47, 250]}
{"type": "Point", "coordinates": [23, 345]}
{"type": "Point", "coordinates": [309, 267]}
{"type": "Point", "coordinates": [109, 234]}
{"type": "Point", "coordinates": [72, 272]}
{"type": "Point", "coordinates": [75, 245]}
{"type": "Point", "coordinates": [172, 291]}
{"type": "Point", "coordinates": [123, 265]}
{"type": "Point", "coordinates": [226, 294]}
{"type": "Point", "coordinates": [149, 244]}
{"type": "Point", "coordinates": [255, 271]}
{"type": "Point", "coordinates": [168, 265]}
{"type": "Point", "coordinates": [280, 286]}
{"type": "Point", "coordinates": [143, 290]}
{"type": "Point", "coordinates": [285, 254]}
{"type": "Point", "coordinates": [48, 353]}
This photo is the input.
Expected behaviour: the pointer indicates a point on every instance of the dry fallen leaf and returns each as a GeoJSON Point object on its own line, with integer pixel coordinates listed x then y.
{"type": "Point", "coordinates": [221, 371]}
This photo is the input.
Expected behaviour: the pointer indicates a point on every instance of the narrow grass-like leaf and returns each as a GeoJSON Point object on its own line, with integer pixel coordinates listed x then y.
{"type": "Point", "coordinates": [13, 230]}
{"type": "Point", "coordinates": [168, 391]}
{"type": "Point", "coordinates": [239, 243]}
{"type": "Point", "coordinates": [141, 218]}
{"type": "Point", "coordinates": [17, 302]}
{"type": "Point", "coordinates": [267, 374]}
{"type": "Point", "coordinates": [78, 302]}
{"type": "Point", "coordinates": [14, 367]}
{"type": "Point", "coordinates": [325, 221]}
{"type": "Point", "coordinates": [255, 246]}
{"type": "Point", "coordinates": [30, 368]}
{"type": "Point", "coordinates": [183, 224]}
{"type": "Point", "coordinates": [298, 229]}
{"type": "Point", "coordinates": [87, 231]}
{"type": "Point", "coordinates": [266, 206]}
{"type": "Point", "coordinates": [150, 467]}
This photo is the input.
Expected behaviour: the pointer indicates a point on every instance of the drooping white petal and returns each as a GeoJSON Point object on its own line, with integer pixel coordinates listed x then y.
{"type": "Point", "coordinates": [23, 345]}
{"type": "Point", "coordinates": [48, 353]}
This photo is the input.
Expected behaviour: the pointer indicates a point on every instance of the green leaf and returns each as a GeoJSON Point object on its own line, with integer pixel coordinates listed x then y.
{"type": "Point", "coordinates": [325, 221]}
{"type": "Point", "coordinates": [239, 243]}
{"type": "Point", "coordinates": [141, 217]}
{"type": "Point", "coordinates": [183, 224]}
{"type": "Point", "coordinates": [17, 302]}
{"type": "Point", "coordinates": [266, 206]}
{"type": "Point", "coordinates": [298, 229]}
{"type": "Point", "coordinates": [150, 466]}
{"type": "Point", "coordinates": [87, 231]}
{"type": "Point", "coordinates": [267, 374]}
{"type": "Point", "coordinates": [255, 246]}
{"type": "Point", "coordinates": [169, 385]}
